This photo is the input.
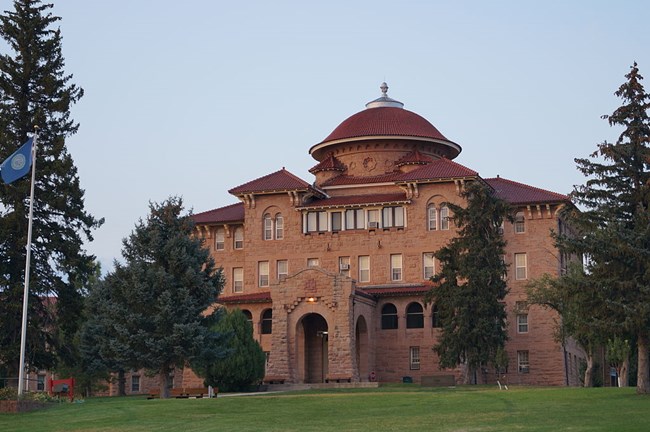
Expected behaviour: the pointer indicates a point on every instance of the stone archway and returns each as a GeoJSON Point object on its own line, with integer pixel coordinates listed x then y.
{"type": "Point", "coordinates": [361, 348]}
{"type": "Point", "coordinates": [312, 339]}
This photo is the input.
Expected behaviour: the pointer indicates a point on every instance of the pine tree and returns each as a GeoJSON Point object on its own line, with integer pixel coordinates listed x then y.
{"type": "Point", "coordinates": [244, 364]}
{"type": "Point", "coordinates": [151, 311]}
{"type": "Point", "coordinates": [35, 90]}
{"type": "Point", "coordinates": [471, 286]}
{"type": "Point", "coordinates": [615, 221]}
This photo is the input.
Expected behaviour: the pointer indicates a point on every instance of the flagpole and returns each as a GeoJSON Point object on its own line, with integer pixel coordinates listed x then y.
{"type": "Point", "coordinates": [23, 334]}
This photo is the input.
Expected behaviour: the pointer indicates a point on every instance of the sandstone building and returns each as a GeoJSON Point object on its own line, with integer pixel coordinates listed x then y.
{"type": "Point", "coordinates": [332, 272]}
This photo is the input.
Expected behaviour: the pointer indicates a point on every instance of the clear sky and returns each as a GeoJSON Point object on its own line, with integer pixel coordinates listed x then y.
{"type": "Point", "coordinates": [193, 98]}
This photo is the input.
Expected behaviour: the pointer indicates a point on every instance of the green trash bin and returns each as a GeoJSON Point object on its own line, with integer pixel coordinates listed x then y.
{"type": "Point", "coordinates": [407, 380]}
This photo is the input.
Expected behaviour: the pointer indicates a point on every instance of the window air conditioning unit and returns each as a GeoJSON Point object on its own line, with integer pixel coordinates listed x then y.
{"type": "Point", "coordinates": [373, 224]}
{"type": "Point", "coordinates": [345, 266]}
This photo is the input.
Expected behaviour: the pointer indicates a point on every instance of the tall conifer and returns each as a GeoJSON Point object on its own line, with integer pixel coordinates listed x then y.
{"type": "Point", "coordinates": [614, 223]}
{"type": "Point", "coordinates": [472, 287]}
{"type": "Point", "coordinates": [35, 90]}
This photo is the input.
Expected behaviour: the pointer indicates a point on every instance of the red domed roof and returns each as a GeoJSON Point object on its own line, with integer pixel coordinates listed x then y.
{"type": "Point", "coordinates": [385, 121]}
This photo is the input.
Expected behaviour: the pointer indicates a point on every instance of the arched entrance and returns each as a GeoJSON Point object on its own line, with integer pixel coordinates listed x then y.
{"type": "Point", "coordinates": [362, 349]}
{"type": "Point", "coordinates": [312, 348]}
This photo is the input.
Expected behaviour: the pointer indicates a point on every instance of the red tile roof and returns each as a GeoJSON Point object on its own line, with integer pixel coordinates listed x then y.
{"type": "Point", "coordinates": [384, 121]}
{"type": "Point", "coordinates": [231, 213]}
{"type": "Point", "coordinates": [437, 170]}
{"type": "Point", "coordinates": [330, 163]}
{"type": "Point", "coordinates": [414, 158]}
{"type": "Point", "coordinates": [262, 297]}
{"type": "Point", "coordinates": [279, 181]}
{"type": "Point", "coordinates": [351, 180]}
{"type": "Point", "coordinates": [397, 291]}
{"type": "Point", "coordinates": [346, 201]}
{"type": "Point", "coordinates": [519, 193]}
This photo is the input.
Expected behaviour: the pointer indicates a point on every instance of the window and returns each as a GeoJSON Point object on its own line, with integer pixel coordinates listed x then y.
{"type": "Point", "coordinates": [344, 266]}
{"type": "Point", "coordinates": [522, 323]}
{"type": "Point", "coordinates": [268, 227]}
{"type": "Point", "coordinates": [522, 362]}
{"type": "Point", "coordinates": [428, 264]}
{"type": "Point", "coordinates": [435, 317]}
{"type": "Point", "coordinates": [316, 221]}
{"type": "Point", "coordinates": [312, 262]}
{"type": "Point", "coordinates": [393, 217]}
{"type": "Point", "coordinates": [40, 382]}
{"type": "Point", "coordinates": [389, 317]}
{"type": "Point", "coordinates": [283, 269]}
{"type": "Point", "coordinates": [337, 221]}
{"type": "Point", "coordinates": [373, 219]}
{"type": "Point", "coordinates": [520, 223]}
{"type": "Point", "coordinates": [279, 227]}
{"type": "Point", "coordinates": [267, 321]}
{"type": "Point", "coordinates": [432, 217]}
{"type": "Point", "coordinates": [520, 266]}
{"type": "Point", "coordinates": [238, 280]}
{"type": "Point", "coordinates": [239, 238]}
{"type": "Point", "coordinates": [396, 267]}
{"type": "Point", "coordinates": [444, 217]}
{"type": "Point", "coordinates": [263, 271]}
{"type": "Point", "coordinates": [220, 239]}
{"type": "Point", "coordinates": [364, 269]}
{"type": "Point", "coordinates": [249, 317]}
{"type": "Point", "coordinates": [414, 357]}
{"type": "Point", "coordinates": [414, 316]}
{"type": "Point", "coordinates": [355, 219]}
{"type": "Point", "coordinates": [135, 384]}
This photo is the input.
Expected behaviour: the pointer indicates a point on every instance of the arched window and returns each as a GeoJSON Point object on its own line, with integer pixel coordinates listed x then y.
{"type": "Point", "coordinates": [414, 316]}
{"type": "Point", "coordinates": [249, 317]}
{"type": "Point", "coordinates": [268, 227]}
{"type": "Point", "coordinates": [239, 238]}
{"type": "Point", "coordinates": [389, 317]}
{"type": "Point", "coordinates": [520, 223]}
{"type": "Point", "coordinates": [444, 217]}
{"type": "Point", "coordinates": [220, 239]}
{"type": "Point", "coordinates": [279, 226]}
{"type": "Point", "coordinates": [435, 317]}
{"type": "Point", "coordinates": [267, 321]}
{"type": "Point", "coordinates": [432, 217]}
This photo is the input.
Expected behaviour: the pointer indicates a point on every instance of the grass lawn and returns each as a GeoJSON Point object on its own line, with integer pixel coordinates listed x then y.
{"type": "Point", "coordinates": [397, 407]}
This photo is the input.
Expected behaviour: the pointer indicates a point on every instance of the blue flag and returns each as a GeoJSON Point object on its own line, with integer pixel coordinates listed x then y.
{"type": "Point", "coordinates": [18, 164]}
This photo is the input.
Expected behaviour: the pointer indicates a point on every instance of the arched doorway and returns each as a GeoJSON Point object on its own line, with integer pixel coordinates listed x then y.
{"type": "Point", "coordinates": [362, 349]}
{"type": "Point", "coordinates": [312, 348]}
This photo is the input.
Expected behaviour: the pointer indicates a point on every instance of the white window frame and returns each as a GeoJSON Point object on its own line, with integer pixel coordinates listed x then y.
{"type": "Point", "coordinates": [432, 217]}
{"type": "Point", "coordinates": [428, 265]}
{"type": "Point", "coordinates": [238, 280]}
{"type": "Point", "coordinates": [364, 268]}
{"type": "Point", "coordinates": [444, 218]}
{"type": "Point", "coordinates": [414, 358]}
{"type": "Point", "coordinates": [396, 267]}
{"type": "Point", "coordinates": [279, 226]}
{"type": "Point", "coordinates": [344, 266]}
{"type": "Point", "coordinates": [238, 238]}
{"type": "Point", "coordinates": [220, 239]}
{"type": "Point", "coordinates": [521, 266]}
{"type": "Point", "coordinates": [374, 218]}
{"type": "Point", "coordinates": [263, 272]}
{"type": "Point", "coordinates": [282, 267]}
{"type": "Point", "coordinates": [268, 227]}
{"type": "Point", "coordinates": [340, 221]}
{"type": "Point", "coordinates": [523, 362]}
{"type": "Point", "coordinates": [520, 223]}
{"type": "Point", "coordinates": [313, 262]}
{"type": "Point", "coordinates": [522, 323]}
{"type": "Point", "coordinates": [135, 383]}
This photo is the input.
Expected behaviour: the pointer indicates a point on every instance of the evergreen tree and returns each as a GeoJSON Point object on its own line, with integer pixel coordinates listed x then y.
{"type": "Point", "coordinates": [471, 286]}
{"type": "Point", "coordinates": [615, 221]}
{"type": "Point", "coordinates": [152, 311]}
{"type": "Point", "coordinates": [244, 364]}
{"type": "Point", "coordinates": [35, 90]}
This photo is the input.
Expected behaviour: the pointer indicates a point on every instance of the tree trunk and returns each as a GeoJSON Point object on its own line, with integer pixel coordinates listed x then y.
{"type": "Point", "coordinates": [623, 373]}
{"type": "Point", "coordinates": [589, 371]}
{"type": "Point", "coordinates": [643, 374]}
{"type": "Point", "coordinates": [164, 381]}
{"type": "Point", "coordinates": [121, 383]}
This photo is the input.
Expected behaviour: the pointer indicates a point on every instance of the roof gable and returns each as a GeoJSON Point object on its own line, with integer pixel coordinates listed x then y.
{"type": "Point", "coordinates": [279, 181]}
{"type": "Point", "coordinates": [438, 170]}
{"type": "Point", "coordinates": [231, 213]}
{"type": "Point", "coordinates": [519, 193]}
